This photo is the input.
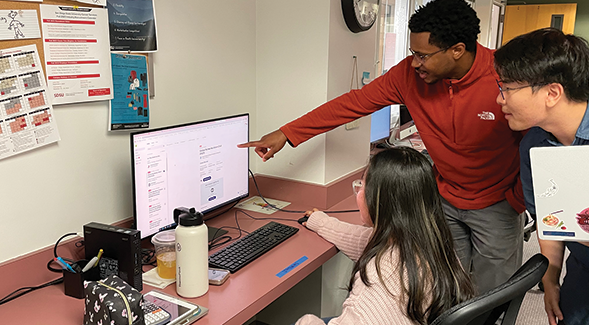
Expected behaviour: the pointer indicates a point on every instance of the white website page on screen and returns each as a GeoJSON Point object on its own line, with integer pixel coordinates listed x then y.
{"type": "Point", "coordinates": [196, 166]}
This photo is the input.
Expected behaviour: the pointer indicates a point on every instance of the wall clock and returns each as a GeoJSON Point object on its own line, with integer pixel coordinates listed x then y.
{"type": "Point", "coordinates": [360, 15]}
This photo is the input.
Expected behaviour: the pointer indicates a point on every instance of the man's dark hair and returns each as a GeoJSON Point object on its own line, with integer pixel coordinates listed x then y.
{"type": "Point", "coordinates": [449, 22]}
{"type": "Point", "coordinates": [547, 56]}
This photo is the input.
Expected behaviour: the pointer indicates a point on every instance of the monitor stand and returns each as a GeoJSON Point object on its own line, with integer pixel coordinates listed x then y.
{"type": "Point", "coordinates": [400, 135]}
{"type": "Point", "coordinates": [216, 232]}
{"type": "Point", "coordinates": [402, 143]}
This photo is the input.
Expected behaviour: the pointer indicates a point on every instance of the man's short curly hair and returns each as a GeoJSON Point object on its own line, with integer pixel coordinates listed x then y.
{"type": "Point", "coordinates": [449, 22]}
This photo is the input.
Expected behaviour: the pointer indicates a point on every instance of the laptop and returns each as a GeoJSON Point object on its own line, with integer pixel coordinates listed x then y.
{"type": "Point", "coordinates": [561, 191]}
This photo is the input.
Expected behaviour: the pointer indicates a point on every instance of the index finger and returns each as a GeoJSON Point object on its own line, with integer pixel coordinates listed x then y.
{"type": "Point", "coordinates": [250, 144]}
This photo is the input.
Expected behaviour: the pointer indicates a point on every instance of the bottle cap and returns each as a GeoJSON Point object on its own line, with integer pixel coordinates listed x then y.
{"type": "Point", "coordinates": [190, 219]}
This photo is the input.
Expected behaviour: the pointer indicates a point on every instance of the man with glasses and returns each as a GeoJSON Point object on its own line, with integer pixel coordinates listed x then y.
{"type": "Point", "coordinates": [545, 89]}
{"type": "Point", "coordinates": [449, 87]}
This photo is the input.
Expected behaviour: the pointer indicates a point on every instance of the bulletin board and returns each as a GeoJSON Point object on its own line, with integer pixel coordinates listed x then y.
{"type": "Point", "coordinates": [20, 5]}
{"type": "Point", "coordinates": [11, 5]}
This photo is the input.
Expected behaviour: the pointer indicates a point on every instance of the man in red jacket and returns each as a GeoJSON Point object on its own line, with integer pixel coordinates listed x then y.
{"type": "Point", "coordinates": [449, 86]}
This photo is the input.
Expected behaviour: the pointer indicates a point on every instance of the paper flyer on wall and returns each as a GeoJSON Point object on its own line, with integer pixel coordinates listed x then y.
{"type": "Point", "coordinates": [19, 24]}
{"type": "Point", "coordinates": [129, 108]}
{"type": "Point", "coordinates": [77, 55]}
{"type": "Point", "coordinates": [26, 114]}
{"type": "Point", "coordinates": [132, 25]}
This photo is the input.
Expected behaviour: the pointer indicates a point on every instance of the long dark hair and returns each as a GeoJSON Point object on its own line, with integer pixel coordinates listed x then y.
{"type": "Point", "coordinates": [406, 209]}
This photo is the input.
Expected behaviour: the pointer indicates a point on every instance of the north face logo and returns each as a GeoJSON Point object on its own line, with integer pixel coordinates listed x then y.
{"type": "Point", "coordinates": [487, 116]}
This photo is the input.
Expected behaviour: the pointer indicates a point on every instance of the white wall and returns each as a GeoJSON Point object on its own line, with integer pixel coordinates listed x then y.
{"type": "Point", "coordinates": [303, 60]}
{"type": "Point", "coordinates": [205, 68]}
{"type": "Point", "coordinates": [291, 65]}
{"type": "Point", "coordinates": [347, 150]}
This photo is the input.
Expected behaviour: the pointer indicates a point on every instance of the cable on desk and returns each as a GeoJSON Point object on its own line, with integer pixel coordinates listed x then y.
{"type": "Point", "coordinates": [290, 211]}
{"type": "Point", "coordinates": [15, 294]}
{"type": "Point", "coordinates": [24, 290]}
{"type": "Point", "coordinates": [217, 241]}
{"type": "Point", "coordinates": [148, 257]}
{"type": "Point", "coordinates": [214, 243]}
{"type": "Point", "coordinates": [78, 244]}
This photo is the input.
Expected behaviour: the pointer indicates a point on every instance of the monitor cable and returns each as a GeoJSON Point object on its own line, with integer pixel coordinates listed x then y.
{"type": "Point", "coordinates": [24, 290]}
{"type": "Point", "coordinates": [225, 239]}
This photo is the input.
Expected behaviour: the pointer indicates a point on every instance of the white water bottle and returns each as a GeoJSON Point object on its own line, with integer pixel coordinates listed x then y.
{"type": "Point", "coordinates": [192, 258]}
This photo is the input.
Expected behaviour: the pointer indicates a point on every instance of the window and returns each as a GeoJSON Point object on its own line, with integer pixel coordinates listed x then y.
{"type": "Point", "coordinates": [393, 34]}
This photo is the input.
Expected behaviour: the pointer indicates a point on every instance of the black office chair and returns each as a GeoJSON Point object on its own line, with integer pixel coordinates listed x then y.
{"type": "Point", "coordinates": [505, 299]}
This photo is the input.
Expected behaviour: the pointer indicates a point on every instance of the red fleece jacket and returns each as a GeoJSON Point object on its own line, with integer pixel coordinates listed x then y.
{"type": "Point", "coordinates": [475, 153]}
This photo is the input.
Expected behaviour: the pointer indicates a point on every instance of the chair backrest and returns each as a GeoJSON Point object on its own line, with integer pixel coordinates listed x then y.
{"type": "Point", "coordinates": [486, 308]}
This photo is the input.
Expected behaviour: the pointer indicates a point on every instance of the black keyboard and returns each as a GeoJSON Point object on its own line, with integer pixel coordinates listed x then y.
{"type": "Point", "coordinates": [255, 244]}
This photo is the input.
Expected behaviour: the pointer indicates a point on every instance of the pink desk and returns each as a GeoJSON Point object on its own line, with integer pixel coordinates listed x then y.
{"type": "Point", "coordinates": [246, 292]}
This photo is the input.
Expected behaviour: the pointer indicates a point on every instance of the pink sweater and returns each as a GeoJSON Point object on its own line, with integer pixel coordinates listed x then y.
{"type": "Point", "coordinates": [365, 305]}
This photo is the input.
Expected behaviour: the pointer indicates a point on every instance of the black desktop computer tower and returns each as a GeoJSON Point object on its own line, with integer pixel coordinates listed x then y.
{"type": "Point", "coordinates": [121, 251]}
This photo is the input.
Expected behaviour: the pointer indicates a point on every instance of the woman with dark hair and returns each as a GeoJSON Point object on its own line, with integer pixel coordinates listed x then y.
{"type": "Point", "coordinates": [406, 271]}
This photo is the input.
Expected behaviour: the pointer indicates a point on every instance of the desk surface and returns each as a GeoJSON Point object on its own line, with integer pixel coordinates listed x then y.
{"type": "Point", "coordinates": [244, 294]}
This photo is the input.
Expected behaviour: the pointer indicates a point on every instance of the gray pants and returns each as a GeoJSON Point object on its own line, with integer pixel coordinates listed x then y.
{"type": "Point", "coordinates": [488, 242]}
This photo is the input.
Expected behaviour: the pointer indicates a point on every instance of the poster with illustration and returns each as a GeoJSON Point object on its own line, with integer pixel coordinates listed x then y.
{"type": "Point", "coordinates": [129, 109]}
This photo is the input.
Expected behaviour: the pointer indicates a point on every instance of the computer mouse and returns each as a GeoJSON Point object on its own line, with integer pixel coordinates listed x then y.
{"type": "Point", "coordinates": [303, 219]}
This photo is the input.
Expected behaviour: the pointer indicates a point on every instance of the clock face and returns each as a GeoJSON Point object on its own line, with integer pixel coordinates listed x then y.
{"type": "Point", "coordinates": [360, 15]}
{"type": "Point", "coordinates": [366, 12]}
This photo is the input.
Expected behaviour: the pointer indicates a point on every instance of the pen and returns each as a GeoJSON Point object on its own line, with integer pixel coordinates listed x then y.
{"type": "Point", "coordinates": [90, 264]}
{"type": "Point", "coordinates": [63, 264]}
{"type": "Point", "coordinates": [98, 257]}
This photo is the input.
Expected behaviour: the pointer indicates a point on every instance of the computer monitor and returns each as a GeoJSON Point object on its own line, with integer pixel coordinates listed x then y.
{"type": "Point", "coordinates": [190, 165]}
{"type": "Point", "coordinates": [380, 124]}
{"type": "Point", "coordinates": [404, 128]}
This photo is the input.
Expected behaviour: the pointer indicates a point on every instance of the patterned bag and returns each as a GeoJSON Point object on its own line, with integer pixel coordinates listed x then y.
{"type": "Point", "coordinates": [112, 302]}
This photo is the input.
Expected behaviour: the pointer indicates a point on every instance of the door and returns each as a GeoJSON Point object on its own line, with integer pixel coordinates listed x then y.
{"type": "Point", "coordinates": [521, 19]}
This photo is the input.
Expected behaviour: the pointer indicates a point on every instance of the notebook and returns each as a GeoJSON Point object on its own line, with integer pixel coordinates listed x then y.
{"type": "Point", "coordinates": [561, 191]}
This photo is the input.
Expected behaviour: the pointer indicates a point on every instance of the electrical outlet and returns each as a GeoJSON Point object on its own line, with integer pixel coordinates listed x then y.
{"type": "Point", "coordinates": [353, 125]}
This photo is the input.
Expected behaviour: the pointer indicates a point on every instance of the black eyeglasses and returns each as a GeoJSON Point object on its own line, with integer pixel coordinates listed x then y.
{"type": "Point", "coordinates": [421, 58]}
{"type": "Point", "coordinates": [502, 89]}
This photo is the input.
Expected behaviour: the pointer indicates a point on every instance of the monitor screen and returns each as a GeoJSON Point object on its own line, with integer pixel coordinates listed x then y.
{"type": "Point", "coordinates": [380, 124]}
{"type": "Point", "coordinates": [190, 165]}
{"type": "Point", "coordinates": [404, 115]}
